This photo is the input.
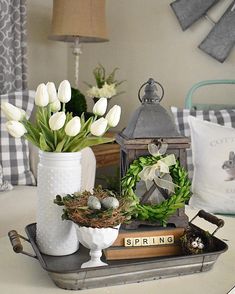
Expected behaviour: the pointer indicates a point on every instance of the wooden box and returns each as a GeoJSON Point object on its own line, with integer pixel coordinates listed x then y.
{"type": "Point", "coordinates": [144, 243]}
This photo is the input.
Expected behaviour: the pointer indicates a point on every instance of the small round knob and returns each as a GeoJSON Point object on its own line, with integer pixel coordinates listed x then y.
{"type": "Point", "coordinates": [150, 95]}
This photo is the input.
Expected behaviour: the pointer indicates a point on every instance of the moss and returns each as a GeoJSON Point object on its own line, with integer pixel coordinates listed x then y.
{"type": "Point", "coordinates": [77, 105]}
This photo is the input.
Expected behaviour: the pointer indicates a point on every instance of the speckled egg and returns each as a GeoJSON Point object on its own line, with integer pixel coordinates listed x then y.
{"type": "Point", "coordinates": [110, 202]}
{"type": "Point", "coordinates": [194, 244]}
{"type": "Point", "coordinates": [94, 203]}
{"type": "Point", "coordinates": [198, 240]}
{"type": "Point", "coordinates": [200, 246]}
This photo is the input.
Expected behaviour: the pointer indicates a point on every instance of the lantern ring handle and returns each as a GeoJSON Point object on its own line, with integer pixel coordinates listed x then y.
{"type": "Point", "coordinates": [160, 99]}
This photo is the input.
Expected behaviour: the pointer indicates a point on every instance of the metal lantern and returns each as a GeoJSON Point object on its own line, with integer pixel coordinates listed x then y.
{"type": "Point", "coordinates": [151, 123]}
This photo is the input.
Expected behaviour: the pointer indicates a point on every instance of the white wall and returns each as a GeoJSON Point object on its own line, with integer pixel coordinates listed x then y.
{"type": "Point", "coordinates": [147, 41]}
{"type": "Point", "coordinates": [47, 60]}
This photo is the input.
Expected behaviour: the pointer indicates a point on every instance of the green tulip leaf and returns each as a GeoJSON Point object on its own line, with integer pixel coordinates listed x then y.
{"type": "Point", "coordinates": [60, 145]}
{"type": "Point", "coordinates": [73, 142]}
{"type": "Point", "coordinates": [32, 140]}
{"type": "Point", "coordinates": [87, 124]}
{"type": "Point", "coordinates": [48, 134]}
{"type": "Point", "coordinates": [82, 118]}
{"type": "Point", "coordinates": [69, 116]}
{"type": "Point", "coordinates": [91, 141]}
{"type": "Point", "coordinates": [43, 143]}
{"type": "Point", "coordinates": [31, 130]}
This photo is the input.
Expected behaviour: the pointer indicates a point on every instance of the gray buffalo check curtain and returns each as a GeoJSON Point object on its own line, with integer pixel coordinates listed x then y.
{"type": "Point", "coordinates": [13, 71]}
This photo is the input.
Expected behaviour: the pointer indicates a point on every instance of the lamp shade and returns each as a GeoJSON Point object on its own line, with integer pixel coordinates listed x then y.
{"type": "Point", "coordinates": [83, 19]}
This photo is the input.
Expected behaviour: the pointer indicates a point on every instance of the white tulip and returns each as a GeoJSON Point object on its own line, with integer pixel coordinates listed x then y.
{"type": "Point", "coordinates": [64, 91]}
{"type": "Point", "coordinates": [73, 127]}
{"type": "Point", "coordinates": [41, 96]}
{"type": "Point", "coordinates": [51, 89]}
{"type": "Point", "coordinates": [113, 116]}
{"type": "Point", "coordinates": [57, 120]}
{"type": "Point", "coordinates": [100, 106]}
{"type": "Point", "coordinates": [98, 127]}
{"type": "Point", "coordinates": [15, 128]}
{"type": "Point", "coordinates": [12, 112]}
{"type": "Point", "coordinates": [55, 106]}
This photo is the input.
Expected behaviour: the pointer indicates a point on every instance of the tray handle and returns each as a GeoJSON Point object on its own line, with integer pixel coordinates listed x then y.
{"type": "Point", "coordinates": [210, 218]}
{"type": "Point", "coordinates": [16, 243]}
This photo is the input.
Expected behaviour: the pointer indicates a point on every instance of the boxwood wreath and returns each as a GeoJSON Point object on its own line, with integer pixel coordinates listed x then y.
{"type": "Point", "coordinates": [158, 212]}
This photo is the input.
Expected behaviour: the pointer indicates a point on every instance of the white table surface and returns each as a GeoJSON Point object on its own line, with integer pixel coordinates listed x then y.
{"type": "Point", "coordinates": [23, 275]}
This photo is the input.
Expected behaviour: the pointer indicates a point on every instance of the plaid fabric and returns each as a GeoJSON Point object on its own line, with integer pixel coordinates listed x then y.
{"type": "Point", "coordinates": [14, 152]}
{"type": "Point", "coordinates": [223, 117]}
{"type": "Point", "coordinates": [4, 185]}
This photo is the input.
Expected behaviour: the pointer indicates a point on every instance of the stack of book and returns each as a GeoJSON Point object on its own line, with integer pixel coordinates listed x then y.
{"type": "Point", "coordinates": [145, 242]}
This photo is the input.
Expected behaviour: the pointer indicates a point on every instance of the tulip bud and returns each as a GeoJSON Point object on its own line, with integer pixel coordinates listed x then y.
{"type": "Point", "coordinates": [57, 120]}
{"type": "Point", "coordinates": [55, 106]}
{"type": "Point", "coordinates": [64, 91]}
{"type": "Point", "coordinates": [51, 89]}
{"type": "Point", "coordinates": [12, 112]}
{"type": "Point", "coordinates": [113, 116]}
{"type": "Point", "coordinates": [98, 127]}
{"type": "Point", "coordinates": [41, 96]}
{"type": "Point", "coordinates": [100, 106]}
{"type": "Point", "coordinates": [73, 127]}
{"type": "Point", "coordinates": [15, 128]}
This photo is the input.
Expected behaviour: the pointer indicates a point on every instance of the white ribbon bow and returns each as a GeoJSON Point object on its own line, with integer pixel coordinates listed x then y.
{"type": "Point", "coordinates": [159, 172]}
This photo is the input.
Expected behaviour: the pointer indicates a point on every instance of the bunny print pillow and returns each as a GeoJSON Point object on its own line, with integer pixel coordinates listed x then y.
{"type": "Point", "coordinates": [213, 151]}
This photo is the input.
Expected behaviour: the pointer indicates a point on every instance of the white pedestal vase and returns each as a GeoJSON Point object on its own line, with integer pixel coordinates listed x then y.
{"type": "Point", "coordinates": [96, 239]}
{"type": "Point", "coordinates": [58, 173]}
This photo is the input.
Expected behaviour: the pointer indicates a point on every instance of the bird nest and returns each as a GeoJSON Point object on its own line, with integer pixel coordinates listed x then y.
{"type": "Point", "coordinates": [77, 210]}
{"type": "Point", "coordinates": [196, 241]}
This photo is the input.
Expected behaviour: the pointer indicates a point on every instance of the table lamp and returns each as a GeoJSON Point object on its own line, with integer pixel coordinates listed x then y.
{"type": "Point", "coordinates": [78, 21]}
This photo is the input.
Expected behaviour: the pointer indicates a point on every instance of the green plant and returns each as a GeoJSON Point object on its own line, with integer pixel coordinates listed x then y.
{"type": "Point", "coordinates": [101, 77]}
{"type": "Point", "coordinates": [77, 105]}
{"type": "Point", "coordinates": [160, 212]}
{"type": "Point", "coordinates": [106, 84]}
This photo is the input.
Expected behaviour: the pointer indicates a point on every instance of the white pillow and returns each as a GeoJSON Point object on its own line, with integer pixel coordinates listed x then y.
{"type": "Point", "coordinates": [224, 117]}
{"type": "Point", "coordinates": [213, 148]}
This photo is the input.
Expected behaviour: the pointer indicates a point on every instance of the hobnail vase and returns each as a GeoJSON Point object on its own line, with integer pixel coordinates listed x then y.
{"type": "Point", "coordinates": [58, 173]}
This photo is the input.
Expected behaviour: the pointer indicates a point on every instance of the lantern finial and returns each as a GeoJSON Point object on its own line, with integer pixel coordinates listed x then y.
{"type": "Point", "coordinates": [150, 95]}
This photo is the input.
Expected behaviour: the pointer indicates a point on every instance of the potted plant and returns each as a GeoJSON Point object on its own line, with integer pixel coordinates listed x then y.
{"type": "Point", "coordinates": [97, 215]}
{"type": "Point", "coordinates": [60, 136]}
{"type": "Point", "coordinates": [106, 84]}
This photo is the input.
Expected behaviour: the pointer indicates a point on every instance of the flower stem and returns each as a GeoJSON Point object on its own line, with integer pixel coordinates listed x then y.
{"type": "Point", "coordinates": [55, 138]}
{"type": "Point", "coordinates": [67, 140]}
{"type": "Point", "coordinates": [49, 110]}
{"type": "Point", "coordinates": [44, 116]}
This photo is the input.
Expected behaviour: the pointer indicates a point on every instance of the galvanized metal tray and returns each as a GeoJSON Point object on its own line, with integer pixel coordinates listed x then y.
{"type": "Point", "coordinates": [66, 271]}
